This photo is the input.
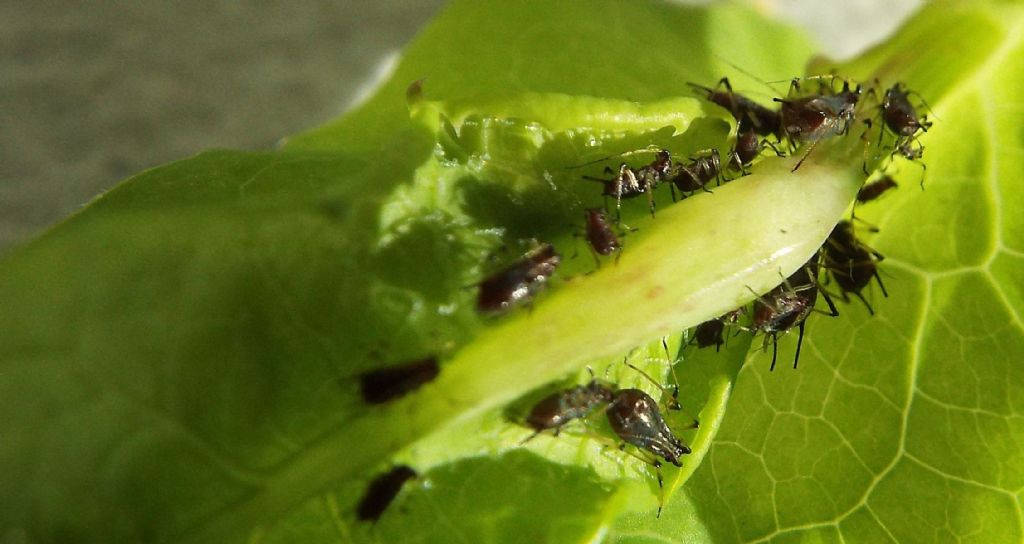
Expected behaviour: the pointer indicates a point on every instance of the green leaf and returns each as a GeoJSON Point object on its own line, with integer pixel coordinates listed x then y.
{"type": "Point", "coordinates": [905, 426]}
{"type": "Point", "coordinates": [181, 358]}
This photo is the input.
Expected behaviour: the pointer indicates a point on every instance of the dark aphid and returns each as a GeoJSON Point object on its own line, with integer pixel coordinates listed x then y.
{"type": "Point", "coordinates": [700, 171]}
{"type": "Point", "coordinates": [749, 115]}
{"type": "Point", "coordinates": [631, 183]}
{"type": "Point", "coordinates": [559, 408]}
{"type": "Point", "coordinates": [710, 333]}
{"type": "Point", "coordinates": [636, 419]}
{"type": "Point", "coordinates": [815, 117]}
{"type": "Point", "coordinates": [788, 306]}
{"type": "Point", "coordinates": [851, 263]}
{"type": "Point", "coordinates": [382, 491]}
{"type": "Point", "coordinates": [386, 384]}
{"type": "Point", "coordinates": [900, 115]}
{"type": "Point", "coordinates": [519, 281]}
{"type": "Point", "coordinates": [748, 147]}
{"type": "Point", "coordinates": [600, 236]}
{"type": "Point", "coordinates": [810, 119]}
{"type": "Point", "coordinates": [875, 189]}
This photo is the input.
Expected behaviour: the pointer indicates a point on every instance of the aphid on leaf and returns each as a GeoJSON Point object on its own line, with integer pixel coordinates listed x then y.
{"type": "Point", "coordinates": [710, 332]}
{"type": "Point", "coordinates": [633, 415]}
{"type": "Point", "coordinates": [701, 170]}
{"type": "Point", "coordinates": [748, 146]}
{"type": "Point", "coordinates": [900, 115]}
{"type": "Point", "coordinates": [749, 115]}
{"type": "Point", "coordinates": [810, 119]}
{"type": "Point", "coordinates": [561, 407]}
{"type": "Point", "coordinates": [518, 282]}
{"type": "Point", "coordinates": [875, 189]}
{"type": "Point", "coordinates": [382, 491]}
{"type": "Point", "coordinates": [631, 183]}
{"type": "Point", "coordinates": [788, 306]}
{"type": "Point", "coordinates": [851, 263]}
{"type": "Point", "coordinates": [387, 384]}
{"type": "Point", "coordinates": [636, 419]}
{"type": "Point", "coordinates": [601, 239]}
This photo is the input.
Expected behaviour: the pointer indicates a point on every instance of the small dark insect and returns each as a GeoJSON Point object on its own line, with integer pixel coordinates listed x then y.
{"type": "Point", "coordinates": [519, 281]}
{"type": "Point", "coordinates": [636, 419]}
{"type": "Point", "coordinates": [709, 333]}
{"type": "Point", "coordinates": [382, 491]}
{"type": "Point", "coordinates": [559, 408]}
{"type": "Point", "coordinates": [875, 189]}
{"type": "Point", "coordinates": [900, 115]}
{"type": "Point", "coordinates": [812, 118]}
{"type": "Point", "coordinates": [748, 147]}
{"type": "Point", "coordinates": [851, 263]}
{"type": "Point", "coordinates": [788, 306]}
{"type": "Point", "coordinates": [701, 170]}
{"type": "Point", "coordinates": [631, 183]}
{"type": "Point", "coordinates": [600, 236]}
{"type": "Point", "coordinates": [749, 115]}
{"type": "Point", "coordinates": [386, 384]}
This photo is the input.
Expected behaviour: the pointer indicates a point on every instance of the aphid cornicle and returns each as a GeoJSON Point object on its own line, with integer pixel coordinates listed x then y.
{"type": "Point", "coordinates": [788, 306]}
{"type": "Point", "coordinates": [387, 384]}
{"type": "Point", "coordinates": [851, 263]}
{"type": "Point", "coordinates": [382, 491]}
{"type": "Point", "coordinates": [559, 408]}
{"type": "Point", "coordinates": [518, 282]}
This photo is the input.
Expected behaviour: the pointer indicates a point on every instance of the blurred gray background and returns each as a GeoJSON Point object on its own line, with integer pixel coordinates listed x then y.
{"type": "Point", "coordinates": [91, 92]}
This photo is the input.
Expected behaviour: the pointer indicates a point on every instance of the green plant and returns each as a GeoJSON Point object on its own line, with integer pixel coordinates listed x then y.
{"type": "Point", "coordinates": [179, 359]}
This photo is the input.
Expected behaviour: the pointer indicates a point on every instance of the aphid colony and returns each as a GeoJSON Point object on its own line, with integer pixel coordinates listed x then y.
{"type": "Point", "coordinates": [849, 265]}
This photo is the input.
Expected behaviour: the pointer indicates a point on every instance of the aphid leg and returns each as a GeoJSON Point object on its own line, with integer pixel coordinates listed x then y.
{"type": "Point", "coordinates": [799, 342]}
{"type": "Point", "coordinates": [532, 436]}
{"type": "Point", "coordinates": [871, 311]}
{"type": "Point", "coordinates": [775, 349]}
{"type": "Point", "coordinates": [880, 285]}
{"type": "Point", "coordinates": [672, 366]}
{"type": "Point", "coordinates": [674, 394]}
{"type": "Point", "coordinates": [833, 312]}
{"type": "Point", "coordinates": [654, 462]}
{"type": "Point", "coordinates": [650, 200]}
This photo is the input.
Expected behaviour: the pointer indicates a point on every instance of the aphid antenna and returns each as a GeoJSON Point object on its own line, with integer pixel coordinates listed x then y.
{"type": "Point", "coordinates": [649, 149]}
{"type": "Point", "coordinates": [671, 362]}
{"type": "Point", "coordinates": [674, 394]}
{"type": "Point", "coordinates": [736, 67]}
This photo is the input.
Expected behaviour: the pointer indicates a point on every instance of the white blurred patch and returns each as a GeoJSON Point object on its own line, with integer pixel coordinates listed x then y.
{"type": "Point", "coordinates": [380, 74]}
